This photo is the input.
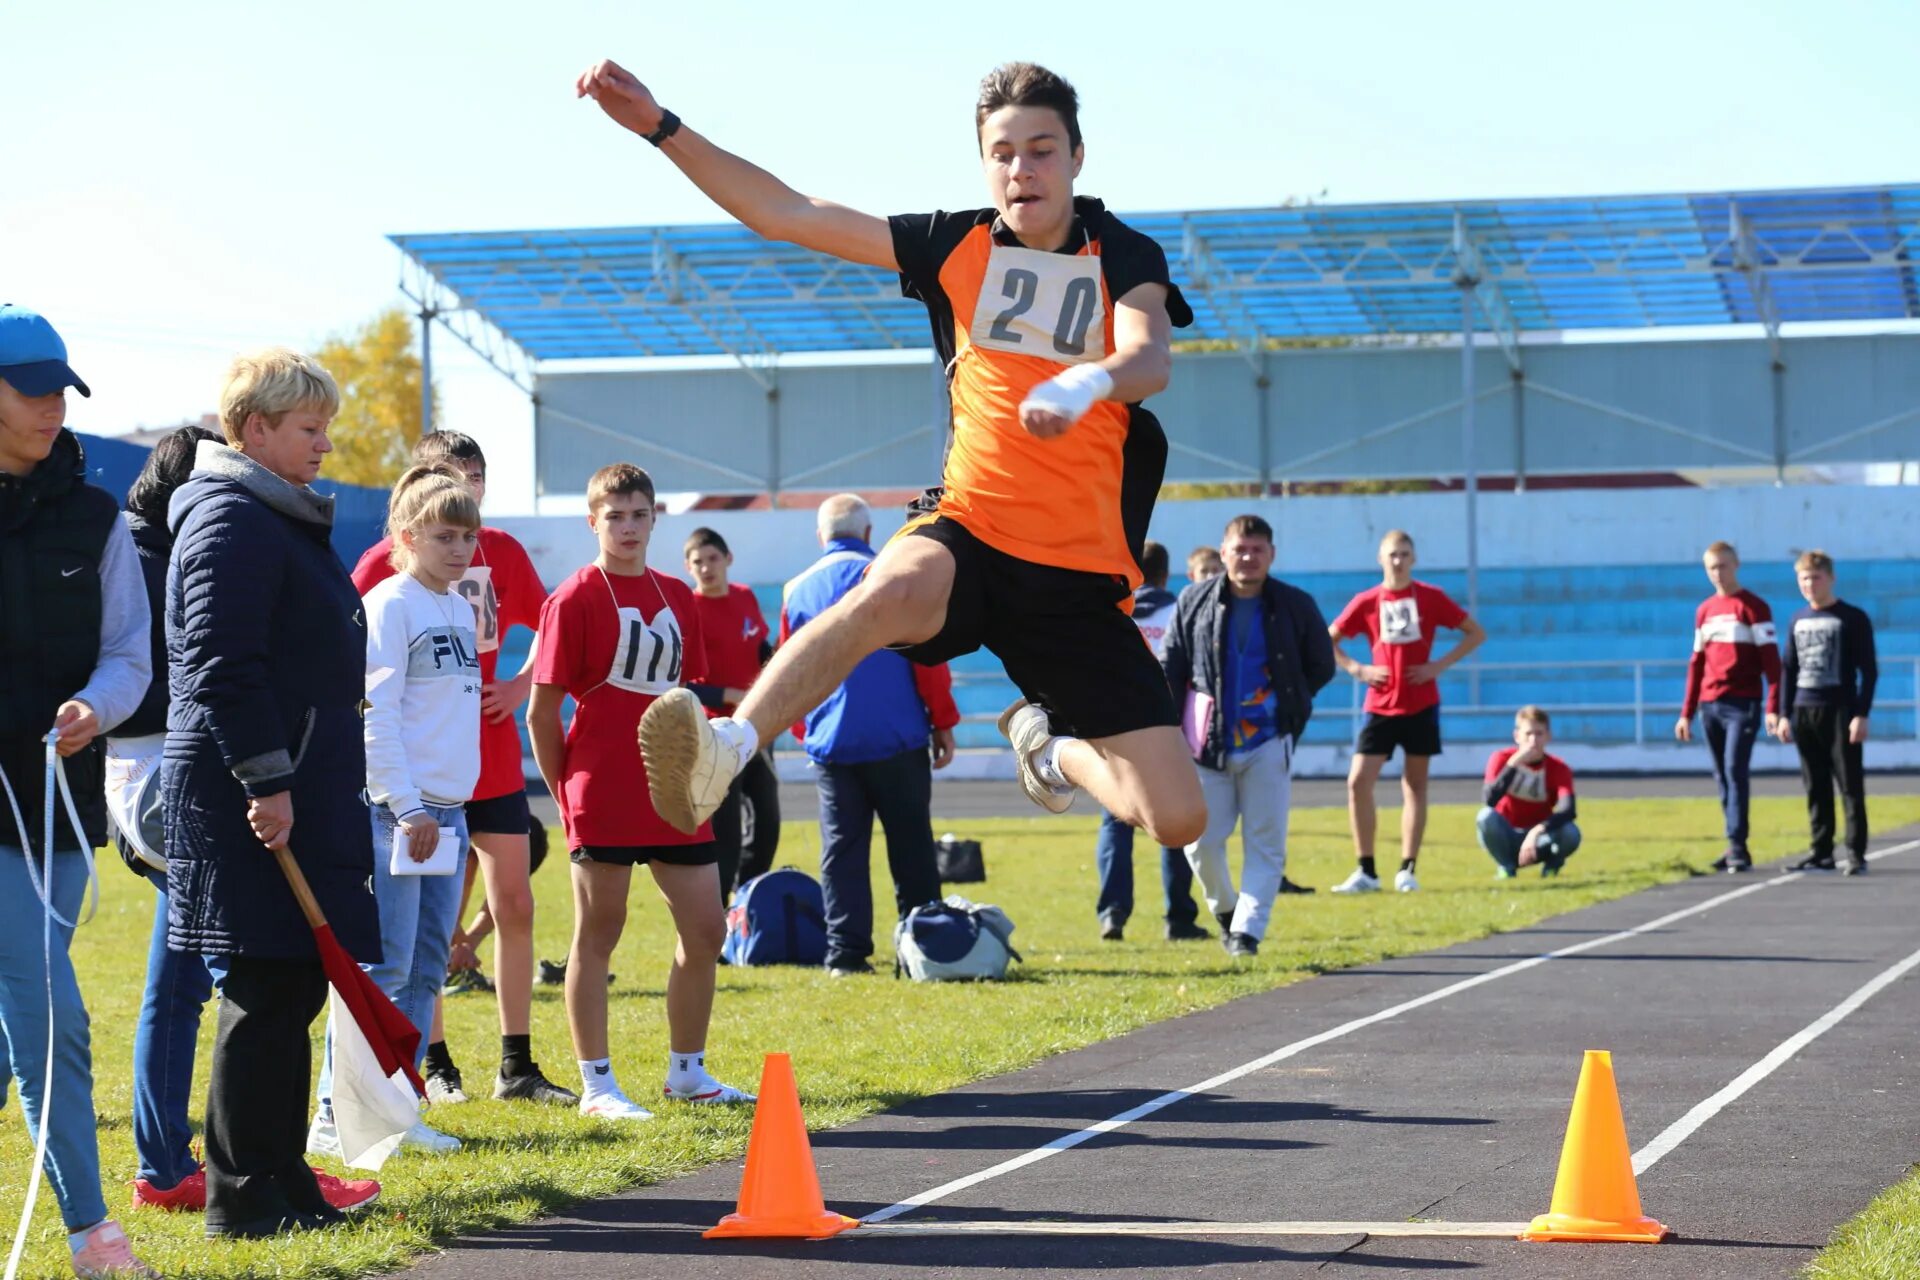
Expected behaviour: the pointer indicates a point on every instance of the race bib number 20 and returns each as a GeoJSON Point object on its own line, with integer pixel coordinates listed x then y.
{"type": "Point", "coordinates": [647, 657]}
{"type": "Point", "coordinates": [1041, 304]}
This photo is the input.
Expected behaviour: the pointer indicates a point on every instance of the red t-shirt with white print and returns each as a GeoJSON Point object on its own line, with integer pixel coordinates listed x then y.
{"type": "Point", "coordinates": [1400, 626]}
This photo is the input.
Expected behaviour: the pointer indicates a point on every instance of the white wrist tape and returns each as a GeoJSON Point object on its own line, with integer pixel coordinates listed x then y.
{"type": "Point", "coordinates": [1072, 392]}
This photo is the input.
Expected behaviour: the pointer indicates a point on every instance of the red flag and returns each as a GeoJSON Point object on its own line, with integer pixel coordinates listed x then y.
{"type": "Point", "coordinates": [394, 1040]}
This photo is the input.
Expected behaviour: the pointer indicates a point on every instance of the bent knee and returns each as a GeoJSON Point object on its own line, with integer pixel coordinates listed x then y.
{"type": "Point", "coordinates": [900, 608]}
{"type": "Point", "coordinates": [1177, 824]}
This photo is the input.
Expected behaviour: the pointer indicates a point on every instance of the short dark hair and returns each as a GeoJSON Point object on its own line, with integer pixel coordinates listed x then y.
{"type": "Point", "coordinates": [1249, 526]}
{"type": "Point", "coordinates": [616, 479]}
{"type": "Point", "coordinates": [166, 469]}
{"type": "Point", "coordinates": [1153, 563]}
{"type": "Point", "coordinates": [1028, 84]}
{"type": "Point", "coordinates": [447, 446]}
{"type": "Point", "coordinates": [704, 537]}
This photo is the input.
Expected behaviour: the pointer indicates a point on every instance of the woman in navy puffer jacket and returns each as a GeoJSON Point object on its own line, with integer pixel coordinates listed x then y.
{"type": "Point", "coordinates": [266, 647]}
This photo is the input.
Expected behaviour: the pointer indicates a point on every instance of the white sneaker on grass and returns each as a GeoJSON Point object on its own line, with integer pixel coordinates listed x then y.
{"type": "Point", "coordinates": [688, 767]}
{"type": "Point", "coordinates": [611, 1104]}
{"type": "Point", "coordinates": [1026, 727]}
{"type": "Point", "coordinates": [1404, 881]}
{"type": "Point", "coordinates": [323, 1139]}
{"type": "Point", "coordinates": [711, 1093]}
{"type": "Point", "coordinates": [1358, 882]}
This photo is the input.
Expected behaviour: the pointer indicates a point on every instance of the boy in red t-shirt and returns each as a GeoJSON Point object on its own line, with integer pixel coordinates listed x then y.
{"type": "Point", "coordinates": [746, 826]}
{"type": "Point", "coordinates": [1530, 807]}
{"type": "Point", "coordinates": [1398, 618]}
{"type": "Point", "coordinates": [614, 637]}
{"type": "Point", "coordinates": [506, 592]}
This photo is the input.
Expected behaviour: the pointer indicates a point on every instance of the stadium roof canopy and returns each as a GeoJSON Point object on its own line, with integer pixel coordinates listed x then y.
{"type": "Point", "coordinates": [1252, 275]}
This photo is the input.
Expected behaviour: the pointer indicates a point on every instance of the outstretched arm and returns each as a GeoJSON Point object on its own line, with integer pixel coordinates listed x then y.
{"type": "Point", "coordinates": [751, 194]}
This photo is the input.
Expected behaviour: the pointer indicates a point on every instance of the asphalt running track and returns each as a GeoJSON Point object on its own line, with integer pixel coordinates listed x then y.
{"type": "Point", "coordinates": [1762, 1029]}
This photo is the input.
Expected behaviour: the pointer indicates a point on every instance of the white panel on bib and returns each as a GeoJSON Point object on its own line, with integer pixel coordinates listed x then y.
{"type": "Point", "coordinates": [476, 588]}
{"type": "Point", "coordinates": [1400, 621]}
{"type": "Point", "coordinates": [1041, 304]}
{"type": "Point", "coordinates": [647, 657]}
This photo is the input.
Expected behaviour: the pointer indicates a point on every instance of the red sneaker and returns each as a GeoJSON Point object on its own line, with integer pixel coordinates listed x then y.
{"type": "Point", "coordinates": [189, 1197]}
{"type": "Point", "coordinates": [347, 1195]}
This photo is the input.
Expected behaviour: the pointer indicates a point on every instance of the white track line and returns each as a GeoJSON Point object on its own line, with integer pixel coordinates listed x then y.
{"type": "Point", "coordinates": [1066, 1142]}
{"type": "Point", "coordinates": [1682, 1129]}
{"type": "Point", "coordinates": [1400, 1230]}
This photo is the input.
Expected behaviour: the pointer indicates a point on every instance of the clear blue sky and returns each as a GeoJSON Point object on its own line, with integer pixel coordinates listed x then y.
{"type": "Point", "coordinates": [179, 181]}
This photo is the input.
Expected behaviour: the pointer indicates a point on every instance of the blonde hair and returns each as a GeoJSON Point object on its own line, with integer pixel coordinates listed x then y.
{"type": "Point", "coordinates": [1721, 548]}
{"type": "Point", "coordinates": [1817, 561]}
{"type": "Point", "coordinates": [1533, 714]}
{"type": "Point", "coordinates": [424, 495]}
{"type": "Point", "coordinates": [1396, 535]}
{"type": "Point", "coordinates": [274, 382]}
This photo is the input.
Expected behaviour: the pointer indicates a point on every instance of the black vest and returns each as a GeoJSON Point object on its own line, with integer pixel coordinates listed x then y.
{"type": "Point", "coordinates": [53, 539]}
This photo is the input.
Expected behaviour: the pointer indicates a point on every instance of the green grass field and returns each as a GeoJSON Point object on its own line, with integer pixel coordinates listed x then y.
{"type": "Point", "coordinates": [1883, 1243]}
{"type": "Point", "coordinates": [844, 1035]}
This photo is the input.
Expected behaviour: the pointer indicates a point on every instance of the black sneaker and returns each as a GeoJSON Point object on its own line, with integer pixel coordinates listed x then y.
{"type": "Point", "coordinates": [1242, 945]}
{"type": "Point", "coordinates": [533, 1087]}
{"type": "Point", "coordinates": [1814, 862]}
{"type": "Point", "coordinates": [445, 1087]}
{"type": "Point", "coordinates": [1288, 886]}
{"type": "Point", "coordinates": [273, 1225]}
{"type": "Point", "coordinates": [1186, 931]}
{"type": "Point", "coordinates": [1854, 866]}
{"type": "Point", "coordinates": [553, 973]}
{"type": "Point", "coordinates": [467, 981]}
{"type": "Point", "coordinates": [1226, 924]}
{"type": "Point", "coordinates": [1737, 860]}
{"type": "Point", "coordinates": [1112, 930]}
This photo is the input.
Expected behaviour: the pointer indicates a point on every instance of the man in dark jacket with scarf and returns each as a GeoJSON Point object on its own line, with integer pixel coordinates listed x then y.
{"type": "Point", "coordinates": [266, 646]}
{"type": "Point", "coordinates": [1245, 655]}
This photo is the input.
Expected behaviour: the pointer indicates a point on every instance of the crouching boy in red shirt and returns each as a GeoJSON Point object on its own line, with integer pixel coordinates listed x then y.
{"type": "Point", "coordinates": [1530, 807]}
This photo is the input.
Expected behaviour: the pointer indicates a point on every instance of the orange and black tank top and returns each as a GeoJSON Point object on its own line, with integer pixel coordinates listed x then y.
{"type": "Point", "coordinates": [1005, 319]}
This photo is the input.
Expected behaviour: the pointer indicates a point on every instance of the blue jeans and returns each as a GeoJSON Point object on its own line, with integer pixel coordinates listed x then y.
{"type": "Point", "coordinates": [73, 1148]}
{"type": "Point", "coordinates": [898, 791]}
{"type": "Point", "coordinates": [1502, 841]}
{"type": "Point", "coordinates": [417, 915]}
{"type": "Point", "coordinates": [1113, 855]}
{"type": "Point", "coordinates": [1731, 724]}
{"type": "Point", "coordinates": [178, 987]}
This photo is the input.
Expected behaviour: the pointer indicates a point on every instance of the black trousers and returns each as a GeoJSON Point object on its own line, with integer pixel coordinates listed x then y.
{"type": "Point", "coordinates": [262, 1082]}
{"type": "Point", "coordinates": [1827, 759]}
{"type": "Point", "coordinates": [898, 791]}
{"type": "Point", "coordinates": [746, 826]}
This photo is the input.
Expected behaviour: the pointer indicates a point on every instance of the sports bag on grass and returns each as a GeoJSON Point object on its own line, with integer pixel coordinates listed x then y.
{"type": "Point", "coordinates": [953, 940]}
{"type": "Point", "coordinates": [777, 918]}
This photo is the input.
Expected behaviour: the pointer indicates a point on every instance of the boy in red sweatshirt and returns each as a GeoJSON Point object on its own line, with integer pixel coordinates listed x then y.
{"type": "Point", "coordinates": [1734, 652]}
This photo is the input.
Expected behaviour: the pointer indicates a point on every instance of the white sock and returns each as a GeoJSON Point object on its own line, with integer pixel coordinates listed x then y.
{"type": "Point", "coordinates": [597, 1075]}
{"type": "Point", "coordinates": [738, 734]}
{"type": "Point", "coordinates": [687, 1072]}
{"type": "Point", "coordinates": [1048, 765]}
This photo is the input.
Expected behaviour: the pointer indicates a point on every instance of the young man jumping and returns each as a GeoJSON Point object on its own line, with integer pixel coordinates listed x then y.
{"type": "Point", "coordinates": [1053, 320]}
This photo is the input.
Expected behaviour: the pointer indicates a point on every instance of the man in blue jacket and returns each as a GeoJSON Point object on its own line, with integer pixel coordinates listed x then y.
{"type": "Point", "coordinates": [869, 744]}
{"type": "Point", "coordinates": [1245, 655]}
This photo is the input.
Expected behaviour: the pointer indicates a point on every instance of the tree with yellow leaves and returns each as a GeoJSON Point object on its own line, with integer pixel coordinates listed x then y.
{"type": "Point", "coordinates": [378, 369]}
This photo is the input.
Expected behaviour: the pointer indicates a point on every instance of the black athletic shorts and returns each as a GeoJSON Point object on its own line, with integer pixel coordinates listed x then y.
{"type": "Point", "coordinates": [1059, 632]}
{"type": "Point", "coordinates": [505, 815]}
{"type": "Point", "coordinates": [1417, 734]}
{"type": "Point", "coordinates": [704, 854]}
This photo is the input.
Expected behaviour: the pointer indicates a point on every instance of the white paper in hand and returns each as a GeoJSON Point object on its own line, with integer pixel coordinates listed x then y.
{"type": "Point", "coordinates": [444, 862]}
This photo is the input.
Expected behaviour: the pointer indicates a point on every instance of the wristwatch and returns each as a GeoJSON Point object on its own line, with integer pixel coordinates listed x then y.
{"type": "Point", "coordinates": [669, 125]}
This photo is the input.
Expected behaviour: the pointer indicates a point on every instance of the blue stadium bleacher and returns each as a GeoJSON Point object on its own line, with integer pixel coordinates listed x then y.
{"type": "Point", "coordinates": [1585, 628]}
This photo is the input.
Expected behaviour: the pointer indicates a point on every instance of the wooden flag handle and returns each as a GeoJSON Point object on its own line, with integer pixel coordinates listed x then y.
{"type": "Point", "coordinates": [309, 907]}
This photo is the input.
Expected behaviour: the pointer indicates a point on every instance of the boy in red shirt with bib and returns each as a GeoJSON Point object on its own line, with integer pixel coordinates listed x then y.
{"type": "Point", "coordinates": [614, 637]}
{"type": "Point", "coordinates": [1399, 618]}
{"type": "Point", "coordinates": [1530, 806]}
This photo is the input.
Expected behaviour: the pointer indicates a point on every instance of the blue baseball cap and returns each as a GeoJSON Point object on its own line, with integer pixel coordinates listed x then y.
{"type": "Point", "coordinates": [33, 360]}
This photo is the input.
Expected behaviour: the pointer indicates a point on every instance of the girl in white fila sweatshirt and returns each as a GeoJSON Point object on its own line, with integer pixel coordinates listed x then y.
{"type": "Point", "coordinates": [423, 754]}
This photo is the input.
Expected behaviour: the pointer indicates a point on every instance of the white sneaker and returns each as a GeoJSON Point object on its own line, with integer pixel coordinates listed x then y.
{"type": "Point", "coordinates": [688, 767]}
{"type": "Point", "coordinates": [1025, 726]}
{"type": "Point", "coordinates": [430, 1141]}
{"type": "Point", "coordinates": [1358, 882]}
{"type": "Point", "coordinates": [323, 1139]}
{"type": "Point", "coordinates": [712, 1092]}
{"type": "Point", "coordinates": [613, 1105]}
{"type": "Point", "coordinates": [1403, 881]}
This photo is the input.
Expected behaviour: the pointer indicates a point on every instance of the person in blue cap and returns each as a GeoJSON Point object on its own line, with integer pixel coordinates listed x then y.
{"type": "Point", "coordinates": [74, 632]}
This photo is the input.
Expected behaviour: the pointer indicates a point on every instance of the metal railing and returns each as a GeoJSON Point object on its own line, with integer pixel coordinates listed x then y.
{"type": "Point", "coordinates": [1652, 717]}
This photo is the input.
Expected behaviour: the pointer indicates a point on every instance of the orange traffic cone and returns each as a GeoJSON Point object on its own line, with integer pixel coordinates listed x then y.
{"type": "Point", "coordinates": [780, 1193]}
{"type": "Point", "coordinates": [1594, 1196]}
